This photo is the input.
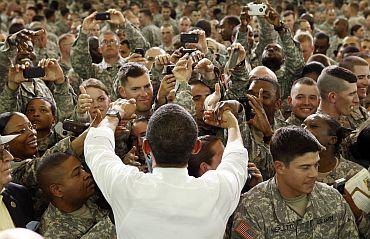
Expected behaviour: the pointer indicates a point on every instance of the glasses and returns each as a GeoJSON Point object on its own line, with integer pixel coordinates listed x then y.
{"type": "Point", "coordinates": [28, 127]}
{"type": "Point", "coordinates": [108, 42]}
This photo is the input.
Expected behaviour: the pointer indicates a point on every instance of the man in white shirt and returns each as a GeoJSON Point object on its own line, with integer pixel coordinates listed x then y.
{"type": "Point", "coordinates": [172, 203]}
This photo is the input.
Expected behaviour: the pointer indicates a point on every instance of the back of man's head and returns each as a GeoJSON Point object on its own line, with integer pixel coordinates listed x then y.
{"type": "Point", "coordinates": [172, 134]}
{"type": "Point", "coordinates": [333, 79]}
{"type": "Point", "coordinates": [350, 62]}
{"type": "Point", "coordinates": [288, 143]}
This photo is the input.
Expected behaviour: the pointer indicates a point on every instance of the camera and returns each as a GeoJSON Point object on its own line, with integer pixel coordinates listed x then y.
{"type": "Point", "coordinates": [183, 51]}
{"type": "Point", "coordinates": [247, 108]}
{"type": "Point", "coordinates": [189, 38]}
{"type": "Point", "coordinates": [257, 9]}
{"type": "Point", "coordinates": [33, 72]}
{"type": "Point", "coordinates": [339, 185]}
{"type": "Point", "coordinates": [168, 70]}
{"type": "Point", "coordinates": [233, 58]}
{"type": "Point", "coordinates": [102, 16]}
{"type": "Point", "coordinates": [75, 127]}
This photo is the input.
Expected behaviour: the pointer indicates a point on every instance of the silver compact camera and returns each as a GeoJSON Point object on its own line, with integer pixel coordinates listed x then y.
{"type": "Point", "coordinates": [256, 9]}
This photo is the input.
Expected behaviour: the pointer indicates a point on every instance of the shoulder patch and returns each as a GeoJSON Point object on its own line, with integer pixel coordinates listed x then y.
{"type": "Point", "coordinates": [245, 230]}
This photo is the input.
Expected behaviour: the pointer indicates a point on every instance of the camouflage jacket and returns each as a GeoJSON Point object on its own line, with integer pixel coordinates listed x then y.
{"type": "Point", "coordinates": [344, 169]}
{"type": "Point", "coordinates": [263, 213]}
{"type": "Point", "coordinates": [294, 120]}
{"type": "Point", "coordinates": [47, 142]}
{"type": "Point", "coordinates": [56, 224]}
{"type": "Point", "coordinates": [51, 51]}
{"type": "Point", "coordinates": [184, 97]}
{"type": "Point", "coordinates": [152, 34]}
{"type": "Point", "coordinates": [294, 61]}
{"type": "Point", "coordinates": [357, 117]}
{"type": "Point", "coordinates": [17, 100]}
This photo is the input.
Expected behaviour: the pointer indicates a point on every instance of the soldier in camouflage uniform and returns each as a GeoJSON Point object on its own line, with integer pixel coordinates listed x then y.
{"type": "Point", "coordinates": [304, 99]}
{"type": "Point", "coordinates": [105, 71]}
{"type": "Point", "coordinates": [150, 31]}
{"type": "Point", "coordinates": [70, 213]}
{"type": "Point", "coordinates": [293, 204]}
{"type": "Point", "coordinates": [330, 134]}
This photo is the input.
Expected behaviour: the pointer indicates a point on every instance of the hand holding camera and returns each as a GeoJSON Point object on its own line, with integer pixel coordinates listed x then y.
{"type": "Point", "coordinates": [206, 68]}
{"type": "Point", "coordinates": [237, 55]}
{"type": "Point", "coordinates": [161, 61]}
{"type": "Point", "coordinates": [167, 84]}
{"type": "Point", "coordinates": [183, 69]}
{"type": "Point", "coordinates": [195, 39]}
{"type": "Point", "coordinates": [53, 71]}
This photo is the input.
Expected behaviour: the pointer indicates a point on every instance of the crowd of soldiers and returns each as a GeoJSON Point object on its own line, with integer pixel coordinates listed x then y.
{"type": "Point", "coordinates": [302, 63]}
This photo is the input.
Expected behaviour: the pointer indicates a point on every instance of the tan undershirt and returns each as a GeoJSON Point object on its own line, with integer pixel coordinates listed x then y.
{"type": "Point", "coordinates": [297, 204]}
{"type": "Point", "coordinates": [83, 212]}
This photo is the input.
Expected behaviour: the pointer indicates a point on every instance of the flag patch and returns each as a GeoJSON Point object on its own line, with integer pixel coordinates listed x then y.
{"type": "Point", "coordinates": [246, 231]}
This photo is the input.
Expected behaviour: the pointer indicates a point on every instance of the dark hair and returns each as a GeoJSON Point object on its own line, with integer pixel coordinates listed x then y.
{"type": "Point", "coordinates": [64, 11]}
{"type": "Point", "coordinates": [147, 13]}
{"type": "Point", "coordinates": [204, 155]}
{"type": "Point", "coordinates": [363, 141]}
{"type": "Point", "coordinates": [323, 59]}
{"type": "Point", "coordinates": [48, 13]}
{"type": "Point", "coordinates": [131, 69]}
{"type": "Point", "coordinates": [354, 29]}
{"type": "Point", "coordinates": [332, 79]}
{"type": "Point", "coordinates": [309, 18]}
{"type": "Point", "coordinates": [204, 25]}
{"type": "Point", "coordinates": [52, 105]}
{"type": "Point", "coordinates": [349, 50]}
{"type": "Point", "coordinates": [171, 134]}
{"type": "Point", "coordinates": [54, 5]}
{"type": "Point", "coordinates": [350, 62]}
{"type": "Point", "coordinates": [4, 120]}
{"type": "Point", "coordinates": [48, 170]}
{"type": "Point", "coordinates": [15, 27]}
{"type": "Point", "coordinates": [312, 67]}
{"type": "Point", "coordinates": [38, 18]}
{"type": "Point", "coordinates": [125, 42]}
{"type": "Point", "coordinates": [233, 21]}
{"type": "Point", "coordinates": [288, 143]}
{"type": "Point", "coordinates": [288, 13]}
{"type": "Point", "coordinates": [322, 35]}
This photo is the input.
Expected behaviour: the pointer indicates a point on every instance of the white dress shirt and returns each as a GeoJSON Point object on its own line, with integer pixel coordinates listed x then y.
{"type": "Point", "coordinates": [168, 203]}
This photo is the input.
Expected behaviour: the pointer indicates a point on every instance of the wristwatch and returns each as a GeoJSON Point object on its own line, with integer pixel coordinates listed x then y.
{"type": "Point", "coordinates": [114, 113]}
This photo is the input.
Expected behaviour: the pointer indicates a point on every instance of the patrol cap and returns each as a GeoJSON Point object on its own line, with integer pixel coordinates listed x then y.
{"type": "Point", "coordinates": [7, 138]}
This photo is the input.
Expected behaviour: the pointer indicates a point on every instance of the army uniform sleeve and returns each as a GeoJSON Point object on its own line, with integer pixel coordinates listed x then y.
{"type": "Point", "coordinates": [134, 36]}
{"type": "Point", "coordinates": [104, 229]}
{"type": "Point", "coordinates": [266, 37]}
{"type": "Point", "coordinates": [246, 222]}
{"type": "Point", "coordinates": [347, 227]}
{"type": "Point", "coordinates": [64, 101]}
{"type": "Point", "coordinates": [238, 83]}
{"type": "Point", "coordinates": [80, 57]}
{"type": "Point", "coordinates": [184, 97]}
{"type": "Point", "coordinates": [8, 99]}
{"type": "Point", "coordinates": [364, 226]}
{"type": "Point", "coordinates": [147, 34]}
{"type": "Point", "coordinates": [294, 61]}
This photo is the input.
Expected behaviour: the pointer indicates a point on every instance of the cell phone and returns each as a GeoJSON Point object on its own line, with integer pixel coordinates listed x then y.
{"type": "Point", "coordinates": [140, 51]}
{"type": "Point", "coordinates": [247, 108]}
{"type": "Point", "coordinates": [256, 9]}
{"type": "Point", "coordinates": [189, 38]}
{"type": "Point", "coordinates": [75, 127]}
{"type": "Point", "coordinates": [102, 16]}
{"type": "Point", "coordinates": [339, 185]}
{"type": "Point", "coordinates": [33, 72]}
{"type": "Point", "coordinates": [183, 51]}
{"type": "Point", "coordinates": [169, 69]}
{"type": "Point", "coordinates": [233, 58]}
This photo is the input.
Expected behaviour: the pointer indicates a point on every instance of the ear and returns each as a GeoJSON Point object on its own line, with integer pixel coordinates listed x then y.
{"type": "Point", "coordinates": [146, 147]}
{"type": "Point", "coordinates": [278, 104]}
{"type": "Point", "coordinates": [122, 91]}
{"type": "Point", "coordinates": [332, 96]}
{"type": "Point", "coordinates": [55, 190]}
{"type": "Point", "coordinates": [279, 167]}
{"type": "Point", "coordinates": [197, 147]}
{"type": "Point", "coordinates": [203, 168]}
{"type": "Point", "coordinates": [290, 100]}
{"type": "Point", "coordinates": [333, 140]}
{"type": "Point", "coordinates": [54, 120]}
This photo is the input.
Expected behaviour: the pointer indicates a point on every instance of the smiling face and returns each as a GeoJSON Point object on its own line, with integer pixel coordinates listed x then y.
{"type": "Point", "coordinates": [304, 100]}
{"type": "Point", "coordinates": [40, 114]}
{"type": "Point", "coordinates": [363, 77]}
{"type": "Point", "coordinates": [25, 145]}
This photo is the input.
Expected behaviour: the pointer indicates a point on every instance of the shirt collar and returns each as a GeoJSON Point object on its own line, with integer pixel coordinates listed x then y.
{"type": "Point", "coordinates": [178, 171]}
{"type": "Point", "coordinates": [105, 65]}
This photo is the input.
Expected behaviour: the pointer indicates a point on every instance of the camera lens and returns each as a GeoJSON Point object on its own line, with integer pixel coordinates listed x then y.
{"type": "Point", "coordinates": [261, 9]}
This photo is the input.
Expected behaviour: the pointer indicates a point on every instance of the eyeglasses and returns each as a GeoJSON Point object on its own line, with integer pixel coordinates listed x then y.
{"type": "Point", "coordinates": [28, 127]}
{"type": "Point", "coordinates": [108, 42]}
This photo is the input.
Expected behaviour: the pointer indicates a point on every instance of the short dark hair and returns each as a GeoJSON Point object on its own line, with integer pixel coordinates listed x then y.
{"type": "Point", "coordinates": [131, 69]}
{"type": "Point", "coordinates": [332, 79]}
{"type": "Point", "coordinates": [172, 134]}
{"type": "Point", "coordinates": [312, 67]}
{"type": "Point", "coordinates": [323, 59]}
{"type": "Point", "coordinates": [354, 28]}
{"type": "Point", "coordinates": [288, 13]}
{"type": "Point", "coordinates": [232, 20]}
{"type": "Point", "coordinates": [350, 50]}
{"type": "Point", "coordinates": [147, 13]}
{"type": "Point", "coordinates": [304, 81]}
{"type": "Point", "coordinates": [268, 79]}
{"type": "Point", "coordinates": [48, 13]}
{"type": "Point", "coordinates": [38, 18]}
{"type": "Point", "coordinates": [4, 120]}
{"type": "Point", "coordinates": [204, 155]}
{"type": "Point", "coordinates": [290, 142]}
{"type": "Point", "coordinates": [15, 27]}
{"type": "Point", "coordinates": [48, 170]}
{"type": "Point", "coordinates": [350, 62]}
{"type": "Point", "coordinates": [52, 105]}
{"type": "Point", "coordinates": [322, 35]}
{"type": "Point", "coordinates": [204, 25]}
